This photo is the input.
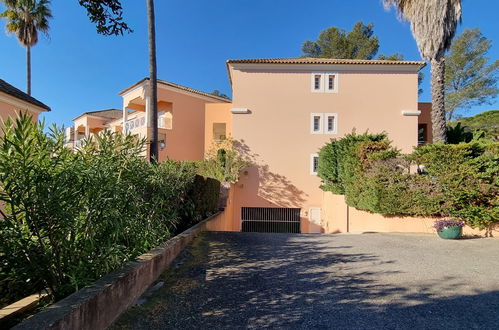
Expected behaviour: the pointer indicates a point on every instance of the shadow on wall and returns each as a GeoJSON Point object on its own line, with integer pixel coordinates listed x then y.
{"type": "Point", "coordinates": [269, 188]}
{"type": "Point", "coordinates": [282, 281]}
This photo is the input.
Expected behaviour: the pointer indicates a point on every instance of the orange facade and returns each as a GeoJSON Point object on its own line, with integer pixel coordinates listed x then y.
{"type": "Point", "coordinates": [181, 119]}
{"type": "Point", "coordinates": [283, 113]}
{"type": "Point", "coordinates": [13, 102]}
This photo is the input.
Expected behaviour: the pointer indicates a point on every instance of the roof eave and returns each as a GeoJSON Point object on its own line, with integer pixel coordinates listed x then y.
{"type": "Point", "coordinates": [179, 87]}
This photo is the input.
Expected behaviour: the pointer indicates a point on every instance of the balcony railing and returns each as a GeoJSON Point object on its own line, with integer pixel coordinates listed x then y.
{"type": "Point", "coordinates": [78, 143]}
{"type": "Point", "coordinates": [135, 123]}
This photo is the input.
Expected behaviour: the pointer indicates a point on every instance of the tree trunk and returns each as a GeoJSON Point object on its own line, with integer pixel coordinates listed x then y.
{"type": "Point", "coordinates": [28, 70]}
{"type": "Point", "coordinates": [153, 114]}
{"type": "Point", "coordinates": [439, 125]}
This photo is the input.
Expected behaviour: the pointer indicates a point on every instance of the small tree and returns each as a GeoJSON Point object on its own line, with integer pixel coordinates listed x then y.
{"type": "Point", "coordinates": [470, 79]}
{"type": "Point", "coordinates": [223, 162]}
{"type": "Point", "coordinates": [360, 43]}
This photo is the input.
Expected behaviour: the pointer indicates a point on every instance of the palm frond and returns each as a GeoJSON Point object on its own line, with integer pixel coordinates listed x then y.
{"type": "Point", "coordinates": [433, 23]}
{"type": "Point", "coordinates": [25, 18]}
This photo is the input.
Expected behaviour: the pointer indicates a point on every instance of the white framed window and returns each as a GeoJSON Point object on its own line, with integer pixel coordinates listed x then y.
{"type": "Point", "coordinates": [331, 85]}
{"type": "Point", "coordinates": [316, 123]}
{"type": "Point", "coordinates": [314, 164]}
{"type": "Point", "coordinates": [324, 82]}
{"type": "Point", "coordinates": [317, 83]}
{"type": "Point", "coordinates": [330, 123]}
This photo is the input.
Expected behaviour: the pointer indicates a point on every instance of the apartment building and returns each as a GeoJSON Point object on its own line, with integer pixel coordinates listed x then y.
{"type": "Point", "coordinates": [181, 116]}
{"type": "Point", "coordinates": [284, 110]}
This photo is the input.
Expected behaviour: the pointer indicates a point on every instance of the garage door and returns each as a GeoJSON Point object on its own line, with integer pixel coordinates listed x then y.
{"type": "Point", "coordinates": [270, 219]}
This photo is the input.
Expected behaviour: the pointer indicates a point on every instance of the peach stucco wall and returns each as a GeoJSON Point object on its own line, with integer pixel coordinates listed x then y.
{"type": "Point", "coordinates": [337, 217]}
{"type": "Point", "coordinates": [10, 111]}
{"type": "Point", "coordinates": [216, 113]}
{"type": "Point", "coordinates": [224, 221]}
{"type": "Point", "coordinates": [185, 141]}
{"type": "Point", "coordinates": [276, 133]}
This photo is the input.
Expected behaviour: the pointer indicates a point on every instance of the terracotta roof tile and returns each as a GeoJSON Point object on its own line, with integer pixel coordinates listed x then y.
{"type": "Point", "coordinates": [312, 60]}
{"type": "Point", "coordinates": [180, 87]}
{"type": "Point", "coordinates": [107, 113]}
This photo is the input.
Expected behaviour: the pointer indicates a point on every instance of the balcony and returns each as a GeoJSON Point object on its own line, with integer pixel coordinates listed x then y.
{"type": "Point", "coordinates": [133, 124]}
{"type": "Point", "coordinates": [78, 143]}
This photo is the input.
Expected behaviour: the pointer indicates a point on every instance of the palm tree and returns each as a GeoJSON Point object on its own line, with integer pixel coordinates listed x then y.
{"type": "Point", "coordinates": [153, 101]}
{"type": "Point", "coordinates": [25, 18]}
{"type": "Point", "coordinates": [433, 25]}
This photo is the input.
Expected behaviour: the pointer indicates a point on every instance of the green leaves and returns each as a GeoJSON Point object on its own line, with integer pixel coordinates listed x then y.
{"type": "Point", "coordinates": [460, 180]}
{"type": "Point", "coordinates": [107, 15]}
{"type": "Point", "coordinates": [360, 43]}
{"type": "Point", "coordinates": [223, 162]}
{"type": "Point", "coordinates": [338, 160]}
{"type": "Point", "coordinates": [470, 78]}
{"type": "Point", "coordinates": [26, 18]}
{"type": "Point", "coordinates": [71, 217]}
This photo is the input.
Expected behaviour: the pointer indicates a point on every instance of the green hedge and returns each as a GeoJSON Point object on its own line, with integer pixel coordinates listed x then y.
{"type": "Point", "coordinates": [459, 181]}
{"type": "Point", "coordinates": [201, 202]}
{"type": "Point", "coordinates": [338, 162]}
{"type": "Point", "coordinates": [71, 217]}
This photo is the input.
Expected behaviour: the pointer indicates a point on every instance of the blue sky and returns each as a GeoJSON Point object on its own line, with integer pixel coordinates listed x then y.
{"type": "Point", "coordinates": [75, 70]}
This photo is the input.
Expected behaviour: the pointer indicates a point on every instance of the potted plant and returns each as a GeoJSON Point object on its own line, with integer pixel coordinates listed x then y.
{"type": "Point", "coordinates": [449, 229]}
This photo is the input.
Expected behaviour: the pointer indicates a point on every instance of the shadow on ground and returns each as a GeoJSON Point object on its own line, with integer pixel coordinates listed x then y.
{"type": "Point", "coordinates": [243, 280]}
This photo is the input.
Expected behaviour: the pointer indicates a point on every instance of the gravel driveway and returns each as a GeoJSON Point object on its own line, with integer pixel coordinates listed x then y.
{"type": "Point", "coordinates": [369, 281]}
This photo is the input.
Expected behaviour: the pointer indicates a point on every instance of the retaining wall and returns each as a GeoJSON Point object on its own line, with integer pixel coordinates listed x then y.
{"type": "Point", "coordinates": [97, 306]}
{"type": "Point", "coordinates": [337, 217]}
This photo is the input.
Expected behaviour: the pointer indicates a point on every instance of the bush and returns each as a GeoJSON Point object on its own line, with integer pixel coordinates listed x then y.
{"type": "Point", "coordinates": [71, 217]}
{"type": "Point", "coordinates": [201, 202]}
{"type": "Point", "coordinates": [467, 175]}
{"type": "Point", "coordinates": [338, 161]}
{"type": "Point", "coordinates": [223, 162]}
{"type": "Point", "coordinates": [461, 180]}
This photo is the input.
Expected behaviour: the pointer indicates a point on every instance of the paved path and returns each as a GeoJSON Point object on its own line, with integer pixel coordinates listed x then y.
{"type": "Point", "coordinates": [370, 281]}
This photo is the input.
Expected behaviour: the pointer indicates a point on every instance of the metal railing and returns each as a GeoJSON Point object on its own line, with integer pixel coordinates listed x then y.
{"type": "Point", "coordinates": [78, 143]}
{"type": "Point", "coordinates": [270, 219]}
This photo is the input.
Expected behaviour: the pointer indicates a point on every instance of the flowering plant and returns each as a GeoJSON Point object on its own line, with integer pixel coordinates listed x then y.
{"type": "Point", "coordinates": [445, 223]}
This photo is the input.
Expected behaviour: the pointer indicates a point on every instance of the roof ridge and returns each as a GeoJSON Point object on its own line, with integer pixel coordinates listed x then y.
{"type": "Point", "coordinates": [181, 87]}
{"type": "Point", "coordinates": [13, 91]}
{"type": "Point", "coordinates": [323, 60]}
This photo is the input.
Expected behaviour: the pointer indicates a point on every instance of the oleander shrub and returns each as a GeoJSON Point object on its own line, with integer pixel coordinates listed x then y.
{"type": "Point", "coordinates": [459, 181]}
{"type": "Point", "coordinates": [69, 217]}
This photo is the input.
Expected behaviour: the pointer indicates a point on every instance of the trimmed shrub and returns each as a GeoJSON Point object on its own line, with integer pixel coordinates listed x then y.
{"type": "Point", "coordinates": [467, 175]}
{"type": "Point", "coordinates": [201, 202]}
{"type": "Point", "coordinates": [460, 181]}
{"type": "Point", "coordinates": [338, 161]}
